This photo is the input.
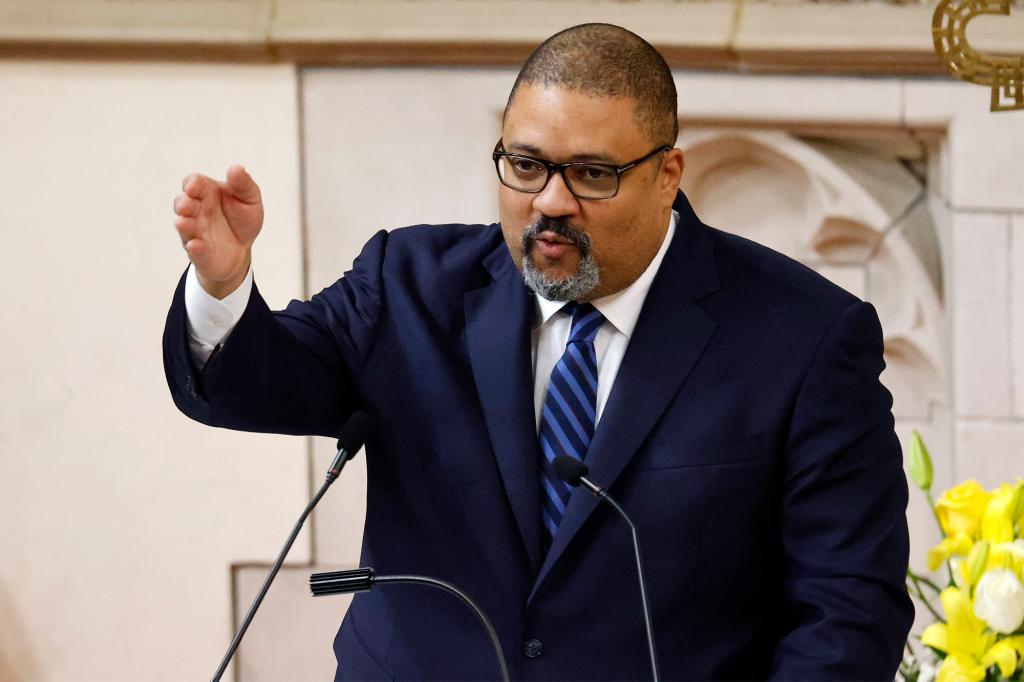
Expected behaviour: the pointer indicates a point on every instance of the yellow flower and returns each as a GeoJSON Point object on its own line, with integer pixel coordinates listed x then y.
{"type": "Point", "coordinates": [960, 668]}
{"type": "Point", "coordinates": [998, 518]}
{"type": "Point", "coordinates": [1017, 505]}
{"type": "Point", "coordinates": [960, 509]}
{"type": "Point", "coordinates": [970, 646]}
{"type": "Point", "coordinates": [956, 545]}
{"type": "Point", "coordinates": [1005, 654]}
{"type": "Point", "coordinates": [1008, 555]}
{"type": "Point", "coordinates": [936, 636]}
{"type": "Point", "coordinates": [965, 632]}
{"type": "Point", "coordinates": [983, 541]}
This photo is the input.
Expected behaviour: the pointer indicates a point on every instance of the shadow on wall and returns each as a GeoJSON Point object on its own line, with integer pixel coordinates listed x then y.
{"type": "Point", "coordinates": [15, 651]}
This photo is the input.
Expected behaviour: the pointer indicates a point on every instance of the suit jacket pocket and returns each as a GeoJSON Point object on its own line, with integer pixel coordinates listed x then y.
{"type": "Point", "coordinates": [704, 453]}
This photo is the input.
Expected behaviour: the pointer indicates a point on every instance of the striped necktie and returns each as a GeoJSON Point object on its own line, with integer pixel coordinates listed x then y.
{"type": "Point", "coordinates": [570, 410]}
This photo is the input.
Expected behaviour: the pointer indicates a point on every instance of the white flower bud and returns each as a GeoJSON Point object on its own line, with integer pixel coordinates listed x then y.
{"type": "Point", "coordinates": [999, 600]}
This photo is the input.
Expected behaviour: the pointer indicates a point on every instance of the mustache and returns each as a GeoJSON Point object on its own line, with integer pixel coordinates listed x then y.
{"type": "Point", "coordinates": [560, 227]}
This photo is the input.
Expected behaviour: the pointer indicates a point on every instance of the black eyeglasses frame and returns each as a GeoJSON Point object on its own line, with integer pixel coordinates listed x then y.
{"type": "Point", "coordinates": [560, 168]}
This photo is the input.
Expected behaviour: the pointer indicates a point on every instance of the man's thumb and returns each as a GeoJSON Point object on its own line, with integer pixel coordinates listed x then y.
{"type": "Point", "coordinates": [242, 186]}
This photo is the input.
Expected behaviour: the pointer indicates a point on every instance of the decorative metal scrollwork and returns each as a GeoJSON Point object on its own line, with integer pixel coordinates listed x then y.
{"type": "Point", "coordinates": [1005, 75]}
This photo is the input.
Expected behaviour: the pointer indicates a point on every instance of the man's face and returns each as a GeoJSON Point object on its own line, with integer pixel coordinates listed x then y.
{"type": "Point", "coordinates": [594, 246]}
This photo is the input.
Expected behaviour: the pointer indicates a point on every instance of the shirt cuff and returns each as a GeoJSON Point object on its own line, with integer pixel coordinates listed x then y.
{"type": "Point", "coordinates": [209, 319]}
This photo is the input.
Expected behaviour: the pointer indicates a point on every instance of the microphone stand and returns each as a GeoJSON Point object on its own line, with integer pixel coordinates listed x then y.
{"type": "Point", "coordinates": [348, 445]}
{"type": "Point", "coordinates": [362, 579]}
{"type": "Point", "coordinates": [574, 472]}
{"type": "Point", "coordinates": [601, 493]}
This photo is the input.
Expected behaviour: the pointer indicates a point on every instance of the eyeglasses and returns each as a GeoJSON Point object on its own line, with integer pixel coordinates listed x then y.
{"type": "Point", "coordinates": [584, 179]}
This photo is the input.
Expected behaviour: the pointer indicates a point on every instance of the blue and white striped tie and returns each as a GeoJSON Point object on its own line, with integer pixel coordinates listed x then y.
{"type": "Point", "coordinates": [570, 410]}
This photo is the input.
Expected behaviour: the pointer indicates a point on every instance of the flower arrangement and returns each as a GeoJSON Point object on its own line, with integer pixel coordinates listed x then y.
{"type": "Point", "coordinates": [979, 633]}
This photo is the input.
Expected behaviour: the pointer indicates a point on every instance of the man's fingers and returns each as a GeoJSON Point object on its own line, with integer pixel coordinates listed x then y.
{"type": "Point", "coordinates": [186, 206]}
{"type": "Point", "coordinates": [196, 186]}
{"type": "Point", "coordinates": [187, 228]}
{"type": "Point", "coordinates": [195, 248]}
{"type": "Point", "coordinates": [242, 186]}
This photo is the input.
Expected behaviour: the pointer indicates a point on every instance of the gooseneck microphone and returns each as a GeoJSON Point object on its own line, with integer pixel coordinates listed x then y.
{"type": "Point", "coordinates": [574, 472]}
{"type": "Point", "coordinates": [351, 439]}
{"type": "Point", "coordinates": [362, 579]}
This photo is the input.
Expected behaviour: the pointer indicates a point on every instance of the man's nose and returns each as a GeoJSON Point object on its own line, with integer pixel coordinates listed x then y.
{"type": "Point", "coordinates": [555, 200]}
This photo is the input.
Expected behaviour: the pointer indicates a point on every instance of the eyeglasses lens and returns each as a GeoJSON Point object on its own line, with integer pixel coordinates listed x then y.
{"type": "Point", "coordinates": [585, 180]}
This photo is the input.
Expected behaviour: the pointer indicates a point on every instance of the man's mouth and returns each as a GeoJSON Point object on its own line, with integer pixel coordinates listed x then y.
{"type": "Point", "coordinates": [552, 245]}
{"type": "Point", "coordinates": [549, 236]}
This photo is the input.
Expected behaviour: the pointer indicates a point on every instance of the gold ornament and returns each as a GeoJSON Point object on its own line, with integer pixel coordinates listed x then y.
{"type": "Point", "coordinates": [1005, 75]}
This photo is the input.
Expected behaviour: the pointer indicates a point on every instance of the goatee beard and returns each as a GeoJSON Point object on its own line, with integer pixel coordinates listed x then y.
{"type": "Point", "coordinates": [573, 287]}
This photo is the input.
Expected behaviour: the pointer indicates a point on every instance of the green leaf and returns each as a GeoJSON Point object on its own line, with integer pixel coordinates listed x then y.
{"type": "Point", "coordinates": [977, 561]}
{"type": "Point", "coordinates": [919, 463]}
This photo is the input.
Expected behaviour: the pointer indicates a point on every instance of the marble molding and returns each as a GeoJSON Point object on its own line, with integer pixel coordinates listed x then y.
{"type": "Point", "coordinates": [750, 35]}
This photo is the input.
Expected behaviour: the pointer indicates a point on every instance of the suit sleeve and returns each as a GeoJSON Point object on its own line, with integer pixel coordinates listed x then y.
{"type": "Point", "coordinates": [844, 529]}
{"type": "Point", "coordinates": [294, 371]}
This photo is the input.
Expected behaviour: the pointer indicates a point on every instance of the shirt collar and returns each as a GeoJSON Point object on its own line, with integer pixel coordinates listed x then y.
{"type": "Point", "coordinates": [621, 308]}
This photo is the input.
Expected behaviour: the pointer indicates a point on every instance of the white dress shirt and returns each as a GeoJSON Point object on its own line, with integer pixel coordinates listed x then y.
{"type": "Point", "coordinates": [620, 311]}
{"type": "Point", "coordinates": [210, 320]}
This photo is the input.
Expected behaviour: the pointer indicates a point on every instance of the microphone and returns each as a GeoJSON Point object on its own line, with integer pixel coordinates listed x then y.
{"type": "Point", "coordinates": [351, 439]}
{"type": "Point", "coordinates": [574, 472]}
{"type": "Point", "coordinates": [363, 579]}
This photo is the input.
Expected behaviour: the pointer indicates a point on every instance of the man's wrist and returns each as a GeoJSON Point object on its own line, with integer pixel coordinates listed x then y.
{"type": "Point", "coordinates": [210, 319]}
{"type": "Point", "coordinates": [224, 288]}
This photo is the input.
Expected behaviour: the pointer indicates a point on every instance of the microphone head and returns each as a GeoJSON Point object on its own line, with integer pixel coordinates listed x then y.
{"type": "Point", "coordinates": [354, 433]}
{"type": "Point", "coordinates": [570, 469]}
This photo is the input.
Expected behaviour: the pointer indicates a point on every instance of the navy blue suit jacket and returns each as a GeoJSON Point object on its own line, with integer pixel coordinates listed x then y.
{"type": "Point", "coordinates": [747, 434]}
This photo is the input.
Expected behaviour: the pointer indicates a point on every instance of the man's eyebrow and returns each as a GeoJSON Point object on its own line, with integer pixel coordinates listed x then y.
{"type": "Point", "coordinates": [520, 147]}
{"type": "Point", "coordinates": [532, 150]}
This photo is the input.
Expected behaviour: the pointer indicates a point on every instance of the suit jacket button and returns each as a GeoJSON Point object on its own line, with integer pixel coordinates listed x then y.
{"type": "Point", "coordinates": [533, 648]}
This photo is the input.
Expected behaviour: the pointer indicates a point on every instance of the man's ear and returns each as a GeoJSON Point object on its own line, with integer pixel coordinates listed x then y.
{"type": "Point", "coordinates": [671, 174]}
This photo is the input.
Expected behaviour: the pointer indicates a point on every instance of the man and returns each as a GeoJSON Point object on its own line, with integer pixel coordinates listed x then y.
{"type": "Point", "coordinates": [727, 396]}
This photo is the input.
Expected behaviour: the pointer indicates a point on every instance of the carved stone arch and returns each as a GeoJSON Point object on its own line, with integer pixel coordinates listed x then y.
{"type": "Point", "coordinates": [856, 216]}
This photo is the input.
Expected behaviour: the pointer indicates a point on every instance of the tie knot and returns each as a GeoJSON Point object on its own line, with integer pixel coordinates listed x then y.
{"type": "Point", "coordinates": [586, 320]}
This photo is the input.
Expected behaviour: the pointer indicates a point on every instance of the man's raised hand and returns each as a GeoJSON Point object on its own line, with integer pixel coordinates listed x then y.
{"type": "Point", "coordinates": [217, 223]}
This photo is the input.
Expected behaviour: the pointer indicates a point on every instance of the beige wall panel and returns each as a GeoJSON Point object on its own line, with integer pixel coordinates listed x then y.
{"type": "Point", "coordinates": [1017, 314]}
{"type": "Point", "coordinates": [293, 636]}
{"type": "Point", "coordinates": [793, 36]}
{"type": "Point", "coordinates": [140, 21]}
{"type": "Point", "coordinates": [990, 450]}
{"type": "Point", "coordinates": [530, 21]}
{"type": "Point", "coordinates": [934, 103]}
{"type": "Point", "coordinates": [386, 148]}
{"type": "Point", "coordinates": [834, 26]}
{"type": "Point", "coordinates": [988, 168]}
{"type": "Point", "coordinates": [981, 315]}
{"type": "Point", "coordinates": [986, 149]}
{"type": "Point", "coordinates": [122, 517]}
{"type": "Point", "coordinates": [861, 102]}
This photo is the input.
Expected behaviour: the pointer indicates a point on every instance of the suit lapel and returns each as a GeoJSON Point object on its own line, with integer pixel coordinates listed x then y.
{"type": "Point", "coordinates": [498, 331]}
{"type": "Point", "coordinates": [670, 336]}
